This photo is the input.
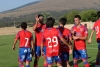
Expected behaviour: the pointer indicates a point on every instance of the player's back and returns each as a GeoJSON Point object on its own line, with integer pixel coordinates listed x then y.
{"type": "Point", "coordinates": [66, 34]}
{"type": "Point", "coordinates": [52, 42]}
{"type": "Point", "coordinates": [25, 38]}
{"type": "Point", "coordinates": [97, 28]}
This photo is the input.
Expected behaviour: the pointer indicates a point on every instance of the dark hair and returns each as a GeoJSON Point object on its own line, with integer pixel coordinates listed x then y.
{"type": "Point", "coordinates": [63, 21]}
{"type": "Point", "coordinates": [24, 25]}
{"type": "Point", "coordinates": [78, 16]}
{"type": "Point", "coordinates": [50, 22]}
{"type": "Point", "coordinates": [40, 15]}
{"type": "Point", "coordinates": [98, 14]}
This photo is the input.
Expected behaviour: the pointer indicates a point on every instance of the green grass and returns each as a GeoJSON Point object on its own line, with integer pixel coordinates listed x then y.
{"type": "Point", "coordinates": [8, 58]}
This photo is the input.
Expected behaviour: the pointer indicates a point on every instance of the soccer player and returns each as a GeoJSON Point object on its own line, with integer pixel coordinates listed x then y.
{"type": "Point", "coordinates": [39, 27]}
{"type": "Point", "coordinates": [26, 45]}
{"type": "Point", "coordinates": [80, 35]}
{"type": "Point", "coordinates": [96, 28]}
{"type": "Point", "coordinates": [51, 37]}
{"type": "Point", "coordinates": [64, 50]}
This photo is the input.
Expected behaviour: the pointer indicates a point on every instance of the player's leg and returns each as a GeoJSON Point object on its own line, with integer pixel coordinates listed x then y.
{"type": "Point", "coordinates": [49, 61]}
{"type": "Point", "coordinates": [44, 56]}
{"type": "Point", "coordinates": [28, 57]}
{"type": "Point", "coordinates": [75, 58]}
{"type": "Point", "coordinates": [98, 56]}
{"type": "Point", "coordinates": [22, 56]}
{"type": "Point", "coordinates": [27, 63]}
{"type": "Point", "coordinates": [37, 55]}
{"type": "Point", "coordinates": [57, 59]}
{"type": "Point", "coordinates": [21, 64]}
{"type": "Point", "coordinates": [68, 65]}
{"type": "Point", "coordinates": [84, 57]}
{"type": "Point", "coordinates": [65, 59]}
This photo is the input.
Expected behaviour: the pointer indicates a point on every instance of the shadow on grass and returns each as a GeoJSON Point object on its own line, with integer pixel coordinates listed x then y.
{"type": "Point", "coordinates": [92, 64]}
{"type": "Point", "coordinates": [2, 44]}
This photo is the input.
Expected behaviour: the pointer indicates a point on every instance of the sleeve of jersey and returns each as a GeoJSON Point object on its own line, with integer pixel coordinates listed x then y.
{"type": "Point", "coordinates": [17, 35]}
{"type": "Point", "coordinates": [86, 31]}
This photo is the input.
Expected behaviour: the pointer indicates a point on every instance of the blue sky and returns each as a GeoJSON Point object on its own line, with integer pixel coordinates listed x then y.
{"type": "Point", "coordinates": [10, 4]}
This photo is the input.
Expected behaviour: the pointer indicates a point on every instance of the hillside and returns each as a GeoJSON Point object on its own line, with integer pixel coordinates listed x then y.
{"type": "Point", "coordinates": [52, 5]}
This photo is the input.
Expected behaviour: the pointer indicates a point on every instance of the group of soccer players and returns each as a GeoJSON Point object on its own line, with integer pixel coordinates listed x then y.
{"type": "Point", "coordinates": [55, 44]}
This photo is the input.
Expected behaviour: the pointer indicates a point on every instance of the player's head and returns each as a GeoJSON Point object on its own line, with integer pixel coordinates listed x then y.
{"type": "Point", "coordinates": [62, 21]}
{"type": "Point", "coordinates": [24, 25]}
{"type": "Point", "coordinates": [50, 22]}
{"type": "Point", "coordinates": [77, 19]}
{"type": "Point", "coordinates": [40, 16]}
{"type": "Point", "coordinates": [98, 14]}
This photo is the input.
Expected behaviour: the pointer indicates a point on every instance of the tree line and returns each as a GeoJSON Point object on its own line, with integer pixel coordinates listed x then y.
{"type": "Point", "coordinates": [86, 15]}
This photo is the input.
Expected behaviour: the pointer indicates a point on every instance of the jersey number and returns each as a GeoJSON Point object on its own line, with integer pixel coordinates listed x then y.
{"type": "Point", "coordinates": [26, 42]}
{"type": "Point", "coordinates": [52, 40]}
{"type": "Point", "coordinates": [97, 29]}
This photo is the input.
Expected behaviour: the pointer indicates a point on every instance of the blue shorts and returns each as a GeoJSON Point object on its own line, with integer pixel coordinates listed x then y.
{"type": "Point", "coordinates": [80, 54]}
{"type": "Point", "coordinates": [38, 51]}
{"type": "Point", "coordinates": [25, 54]}
{"type": "Point", "coordinates": [44, 50]}
{"type": "Point", "coordinates": [50, 60]}
{"type": "Point", "coordinates": [64, 56]}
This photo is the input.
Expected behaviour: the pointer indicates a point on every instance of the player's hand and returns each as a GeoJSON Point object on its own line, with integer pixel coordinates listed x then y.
{"type": "Point", "coordinates": [70, 51]}
{"type": "Point", "coordinates": [42, 53]}
{"type": "Point", "coordinates": [37, 19]}
{"type": "Point", "coordinates": [72, 32]}
{"type": "Point", "coordinates": [89, 41]}
{"type": "Point", "coordinates": [13, 48]}
{"type": "Point", "coordinates": [75, 37]}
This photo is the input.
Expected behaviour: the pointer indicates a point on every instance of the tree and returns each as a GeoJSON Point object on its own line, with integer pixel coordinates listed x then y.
{"type": "Point", "coordinates": [70, 16]}
{"type": "Point", "coordinates": [88, 15]}
{"type": "Point", "coordinates": [46, 15]}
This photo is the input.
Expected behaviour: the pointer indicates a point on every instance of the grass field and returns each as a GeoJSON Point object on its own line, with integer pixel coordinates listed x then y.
{"type": "Point", "coordinates": [8, 58]}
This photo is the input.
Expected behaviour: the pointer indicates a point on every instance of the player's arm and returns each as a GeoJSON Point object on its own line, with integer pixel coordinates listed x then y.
{"type": "Point", "coordinates": [81, 38]}
{"type": "Point", "coordinates": [41, 48]}
{"type": "Point", "coordinates": [85, 37]}
{"type": "Point", "coordinates": [91, 35]}
{"type": "Point", "coordinates": [70, 41]}
{"type": "Point", "coordinates": [42, 43]}
{"type": "Point", "coordinates": [64, 41]}
{"type": "Point", "coordinates": [70, 46]}
{"type": "Point", "coordinates": [15, 41]}
{"type": "Point", "coordinates": [37, 20]}
{"type": "Point", "coordinates": [70, 38]}
{"type": "Point", "coordinates": [32, 45]}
